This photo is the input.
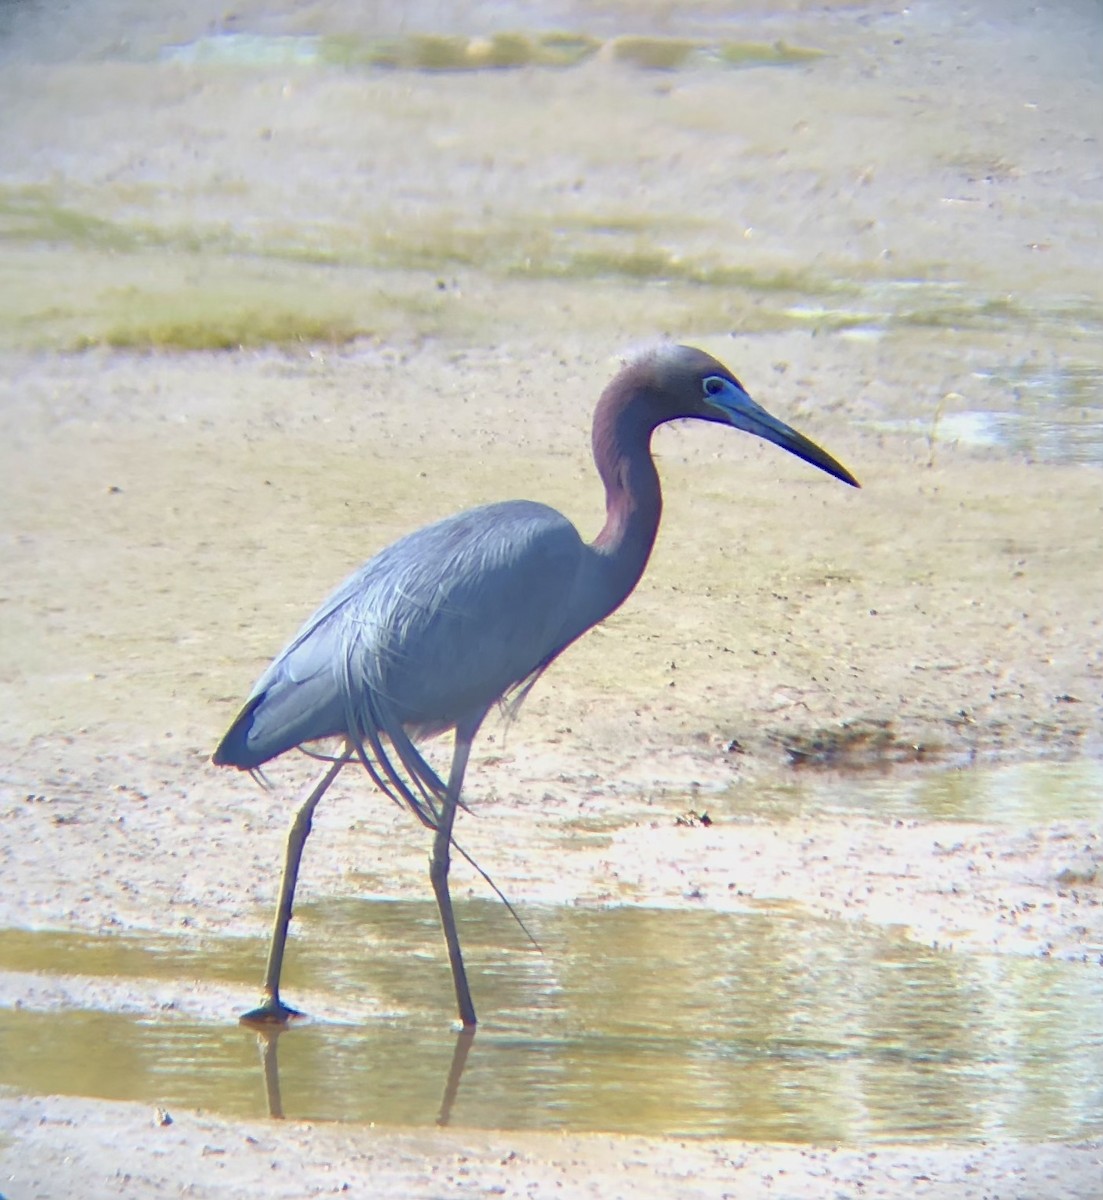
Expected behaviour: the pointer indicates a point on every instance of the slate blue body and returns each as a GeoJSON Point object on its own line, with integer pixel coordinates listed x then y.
{"type": "Point", "coordinates": [442, 625]}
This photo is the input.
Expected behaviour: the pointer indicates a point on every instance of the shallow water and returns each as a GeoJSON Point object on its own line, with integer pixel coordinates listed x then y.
{"type": "Point", "coordinates": [1022, 793]}
{"type": "Point", "coordinates": [632, 1020]}
{"type": "Point", "coordinates": [1052, 414]}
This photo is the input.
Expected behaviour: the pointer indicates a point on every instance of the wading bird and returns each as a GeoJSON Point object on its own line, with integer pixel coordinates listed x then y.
{"type": "Point", "coordinates": [445, 623]}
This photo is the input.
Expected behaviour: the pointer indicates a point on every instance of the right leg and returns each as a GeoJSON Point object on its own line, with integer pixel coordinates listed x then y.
{"type": "Point", "coordinates": [438, 873]}
{"type": "Point", "coordinates": [272, 1010]}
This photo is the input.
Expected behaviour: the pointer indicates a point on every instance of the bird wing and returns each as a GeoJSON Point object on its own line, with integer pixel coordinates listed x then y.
{"type": "Point", "coordinates": [431, 631]}
{"type": "Point", "coordinates": [479, 606]}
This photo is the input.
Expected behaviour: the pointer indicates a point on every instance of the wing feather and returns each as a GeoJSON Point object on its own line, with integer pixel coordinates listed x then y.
{"type": "Point", "coordinates": [432, 631]}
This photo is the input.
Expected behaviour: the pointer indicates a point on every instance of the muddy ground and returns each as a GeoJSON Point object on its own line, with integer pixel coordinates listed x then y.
{"type": "Point", "coordinates": [170, 515]}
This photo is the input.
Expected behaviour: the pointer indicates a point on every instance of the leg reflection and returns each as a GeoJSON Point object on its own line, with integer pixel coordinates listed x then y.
{"type": "Point", "coordinates": [455, 1073]}
{"type": "Point", "coordinates": [268, 1041]}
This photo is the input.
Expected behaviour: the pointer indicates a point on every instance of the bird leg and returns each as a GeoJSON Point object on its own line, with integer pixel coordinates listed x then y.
{"type": "Point", "coordinates": [438, 873]}
{"type": "Point", "coordinates": [272, 1010]}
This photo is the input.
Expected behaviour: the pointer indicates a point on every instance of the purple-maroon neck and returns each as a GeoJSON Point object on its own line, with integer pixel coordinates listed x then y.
{"type": "Point", "coordinates": [624, 420]}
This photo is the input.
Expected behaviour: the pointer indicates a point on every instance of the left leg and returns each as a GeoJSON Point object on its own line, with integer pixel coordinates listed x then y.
{"type": "Point", "coordinates": [272, 1010]}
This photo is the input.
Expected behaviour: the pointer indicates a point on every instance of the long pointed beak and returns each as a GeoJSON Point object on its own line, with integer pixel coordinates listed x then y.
{"type": "Point", "coordinates": [734, 407]}
{"type": "Point", "coordinates": [785, 436]}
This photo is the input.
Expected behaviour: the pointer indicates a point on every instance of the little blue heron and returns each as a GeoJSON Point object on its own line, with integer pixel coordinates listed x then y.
{"type": "Point", "coordinates": [445, 623]}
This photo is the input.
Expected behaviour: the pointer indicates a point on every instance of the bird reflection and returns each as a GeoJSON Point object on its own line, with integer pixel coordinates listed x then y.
{"type": "Point", "coordinates": [455, 1073]}
{"type": "Point", "coordinates": [268, 1044]}
{"type": "Point", "coordinates": [268, 1038]}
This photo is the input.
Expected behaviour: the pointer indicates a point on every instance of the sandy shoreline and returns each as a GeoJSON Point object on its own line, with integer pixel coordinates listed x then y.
{"type": "Point", "coordinates": [84, 1148]}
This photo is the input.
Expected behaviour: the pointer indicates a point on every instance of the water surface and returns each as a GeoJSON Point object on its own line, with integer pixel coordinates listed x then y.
{"type": "Point", "coordinates": [633, 1020]}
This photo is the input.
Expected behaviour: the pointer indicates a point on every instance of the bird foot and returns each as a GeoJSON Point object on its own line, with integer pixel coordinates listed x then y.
{"type": "Point", "coordinates": [273, 1013]}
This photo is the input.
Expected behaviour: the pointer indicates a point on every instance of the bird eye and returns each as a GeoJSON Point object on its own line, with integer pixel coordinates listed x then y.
{"type": "Point", "coordinates": [713, 386]}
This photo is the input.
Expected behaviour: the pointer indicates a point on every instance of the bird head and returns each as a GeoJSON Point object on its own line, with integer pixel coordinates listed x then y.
{"type": "Point", "coordinates": [702, 387]}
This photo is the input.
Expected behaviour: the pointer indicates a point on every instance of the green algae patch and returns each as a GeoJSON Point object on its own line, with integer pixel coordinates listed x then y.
{"type": "Point", "coordinates": [504, 50]}
{"type": "Point", "coordinates": [202, 329]}
{"type": "Point", "coordinates": [72, 299]}
{"type": "Point", "coordinates": [656, 53]}
{"type": "Point", "coordinates": [443, 52]}
{"type": "Point", "coordinates": [759, 54]}
{"type": "Point", "coordinates": [32, 214]}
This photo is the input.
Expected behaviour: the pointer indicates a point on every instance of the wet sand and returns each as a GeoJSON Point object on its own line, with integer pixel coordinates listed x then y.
{"type": "Point", "coordinates": [171, 517]}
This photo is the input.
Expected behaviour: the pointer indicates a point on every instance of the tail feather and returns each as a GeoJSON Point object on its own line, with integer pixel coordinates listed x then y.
{"type": "Point", "coordinates": [280, 715]}
{"type": "Point", "coordinates": [234, 750]}
{"type": "Point", "coordinates": [286, 713]}
{"type": "Point", "coordinates": [368, 719]}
